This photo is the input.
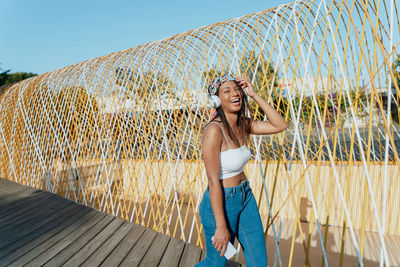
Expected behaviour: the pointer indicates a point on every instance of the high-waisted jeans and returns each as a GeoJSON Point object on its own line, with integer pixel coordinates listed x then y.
{"type": "Point", "coordinates": [243, 221]}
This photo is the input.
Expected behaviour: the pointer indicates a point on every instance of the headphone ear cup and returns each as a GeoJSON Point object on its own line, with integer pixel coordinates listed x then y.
{"type": "Point", "coordinates": [215, 101]}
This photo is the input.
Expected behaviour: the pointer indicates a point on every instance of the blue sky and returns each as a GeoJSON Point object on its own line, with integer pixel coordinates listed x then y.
{"type": "Point", "coordinates": [44, 35]}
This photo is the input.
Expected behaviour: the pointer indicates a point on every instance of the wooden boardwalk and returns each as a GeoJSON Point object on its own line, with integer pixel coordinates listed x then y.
{"type": "Point", "coordinates": [40, 228]}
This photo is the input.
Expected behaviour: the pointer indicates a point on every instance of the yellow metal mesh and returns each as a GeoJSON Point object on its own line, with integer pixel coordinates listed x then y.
{"type": "Point", "coordinates": [121, 133]}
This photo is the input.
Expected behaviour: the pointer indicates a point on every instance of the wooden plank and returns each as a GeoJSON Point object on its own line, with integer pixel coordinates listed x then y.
{"type": "Point", "coordinates": [36, 249]}
{"type": "Point", "coordinates": [8, 183]}
{"type": "Point", "coordinates": [190, 256]}
{"type": "Point", "coordinates": [65, 238]}
{"type": "Point", "coordinates": [105, 249]}
{"type": "Point", "coordinates": [90, 247]}
{"type": "Point", "coordinates": [13, 198]}
{"type": "Point", "coordinates": [7, 189]}
{"type": "Point", "coordinates": [369, 239]}
{"type": "Point", "coordinates": [21, 200]}
{"type": "Point", "coordinates": [12, 187]}
{"type": "Point", "coordinates": [392, 251]}
{"type": "Point", "coordinates": [9, 186]}
{"type": "Point", "coordinates": [172, 254]}
{"type": "Point", "coordinates": [32, 211]}
{"type": "Point", "coordinates": [139, 249]}
{"type": "Point", "coordinates": [154, 254]}
{"type": "Point", "coordinates": [18, 239]}
{"type": "Point", "coordinates": [26, 252]}
{"type": "Point", "coordinates": [123, 248]}
{"type": "Point", "coordinates": [9, 193]}
{"type": "Point", "coordinates": [34, 216]}
{"type": "Point", "coordinates": [77, 244]}
{"type": "Point", "coordinates": [18, 227]}
{"type": "Point", "coordinates": [229, 263]}
{"type": "Point", "coordinates": [22, 208]}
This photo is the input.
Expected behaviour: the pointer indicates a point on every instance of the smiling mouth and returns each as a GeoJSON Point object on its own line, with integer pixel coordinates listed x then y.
{"type": "Point", "coordinates": [235, 101]}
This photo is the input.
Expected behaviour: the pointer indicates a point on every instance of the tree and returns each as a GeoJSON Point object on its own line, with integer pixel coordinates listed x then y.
{"type": "Point", "coordinates": [210, 74]}
{"type": "Point", "coordinates": [265, 75]}
{"type": "Point", "coordinates": [3, 76]}
{"type": "Point", "coordinates": [148, 121]}
{"type": "Point", "coordinates": [396, 71]}
{"type": "Point", "coordinates": [145, 85]}
{"type": "Point", "coordinates": [266, 78]}
{"type": "Point", "coordinates": [6, 77]}
{"type": "Point", "coordinates": [395, 103]}
{"type": "Point", "coordinates": [18, 76]}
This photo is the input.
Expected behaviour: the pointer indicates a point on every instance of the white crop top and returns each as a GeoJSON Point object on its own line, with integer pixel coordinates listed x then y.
{"type": "Point", "coordinates": [233, 159]}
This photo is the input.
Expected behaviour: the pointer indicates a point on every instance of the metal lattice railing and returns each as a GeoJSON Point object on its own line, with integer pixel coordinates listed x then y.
{"type": "Point", "coordinates": [122, 132]}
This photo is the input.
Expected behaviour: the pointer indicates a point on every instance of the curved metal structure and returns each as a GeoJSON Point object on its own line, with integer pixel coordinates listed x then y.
{"type": "Point", "coordinates": [122, 132]}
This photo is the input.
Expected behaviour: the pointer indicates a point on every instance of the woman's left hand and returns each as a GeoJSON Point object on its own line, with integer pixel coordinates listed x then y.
{"type": "Point", "coordinates": [246, 85]}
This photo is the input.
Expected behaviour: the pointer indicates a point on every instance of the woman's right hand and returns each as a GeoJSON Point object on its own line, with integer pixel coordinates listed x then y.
{"type": "Point", "coordinates": [221, 238]}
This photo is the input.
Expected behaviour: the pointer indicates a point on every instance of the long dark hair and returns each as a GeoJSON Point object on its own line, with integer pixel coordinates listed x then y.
{"type": "Point", "coordinates": [243, 121]}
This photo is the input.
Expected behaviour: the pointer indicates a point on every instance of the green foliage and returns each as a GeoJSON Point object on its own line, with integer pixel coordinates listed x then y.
{"type": "Point", "coordinates": [265, 78]}
{"type": "Point", "coordinates": [265, 81]}
{"type": "Point", "coordinates": [18, 76]}
{"type": "Point", "coordinates": [146, 85]}
{"type": "Point", "coordinates": [264, 72]}
{"type": "Point", "coordinates": [266, 84]}
{"type": "Point", "coordinates": [395, 98]}
{"type": "Point", "coordinates": [396, 71]}
{"type": "Point", "coordinates": [328, 104]}
{"type": "Point", "coordinates": [7, 78]}
{"type": "Point", "coordinates": [210, 74]}
{"type": "Point", "coordinates": [257, 65]}
{"type": "Point", "coordinates": [4, 77]}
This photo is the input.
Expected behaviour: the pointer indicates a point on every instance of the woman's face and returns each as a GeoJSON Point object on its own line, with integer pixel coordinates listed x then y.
{"type": "Point", "coordinates": [231, 97]}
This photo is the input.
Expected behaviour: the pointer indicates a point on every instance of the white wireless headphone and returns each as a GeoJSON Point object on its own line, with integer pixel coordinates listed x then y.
{"type": "Point", "coordinates": [215, 101]}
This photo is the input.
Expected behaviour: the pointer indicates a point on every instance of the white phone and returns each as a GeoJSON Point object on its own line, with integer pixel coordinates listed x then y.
{"type": "Point", "coordinates": [230, 249]}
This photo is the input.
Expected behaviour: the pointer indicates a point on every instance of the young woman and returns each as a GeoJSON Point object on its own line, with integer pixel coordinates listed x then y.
{"type": "Point", "coordinates": [228, 207]}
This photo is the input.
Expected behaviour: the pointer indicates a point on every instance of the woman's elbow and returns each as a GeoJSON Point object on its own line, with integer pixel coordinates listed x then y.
{"type": "Point", "coordinates": [285, 126]}
{"type": "Point", "coordinates": [282, 127]}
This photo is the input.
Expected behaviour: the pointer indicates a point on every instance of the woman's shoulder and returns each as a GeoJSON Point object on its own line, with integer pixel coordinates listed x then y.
{"type": "Point", "coordinates": [213, 130]}
{"type": "Point", "coordinates": [212, 127]}
{"type": "Point", "coordinates": [212, 138]}
{"type": "Point", "coordinates": [213, 124]}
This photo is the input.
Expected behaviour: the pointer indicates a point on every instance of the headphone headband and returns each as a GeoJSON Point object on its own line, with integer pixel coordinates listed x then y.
{"type": "Point", "coordinates": [216, 83]}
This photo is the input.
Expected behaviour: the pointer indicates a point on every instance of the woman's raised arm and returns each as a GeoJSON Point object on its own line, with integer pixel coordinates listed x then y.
{"type": "Point", "coordinates": [275, 123]}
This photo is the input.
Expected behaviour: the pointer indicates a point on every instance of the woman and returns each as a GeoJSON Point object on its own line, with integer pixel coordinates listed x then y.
{"type": "Point", "coordinates": [228, 207]}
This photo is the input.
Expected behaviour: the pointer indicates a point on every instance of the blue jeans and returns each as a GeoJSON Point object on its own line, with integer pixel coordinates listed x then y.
{"type": "Point", "coordinates": [243, 221]}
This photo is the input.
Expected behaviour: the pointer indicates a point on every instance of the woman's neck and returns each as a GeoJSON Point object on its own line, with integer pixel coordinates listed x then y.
{"type": "Point", "coordinates": [232, 119]}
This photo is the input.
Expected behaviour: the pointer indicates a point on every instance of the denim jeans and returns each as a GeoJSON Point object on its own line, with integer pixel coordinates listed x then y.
{"type": "Point", "coordinates": [243, 221]}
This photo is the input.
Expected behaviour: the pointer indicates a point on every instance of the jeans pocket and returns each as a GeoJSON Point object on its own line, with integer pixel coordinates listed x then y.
{"type": "Point", "coordinates": [229, 195]}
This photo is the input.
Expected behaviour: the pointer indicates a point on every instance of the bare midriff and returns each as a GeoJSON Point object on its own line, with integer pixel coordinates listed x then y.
{"type": "Point", "coordinates": [234, 180]}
